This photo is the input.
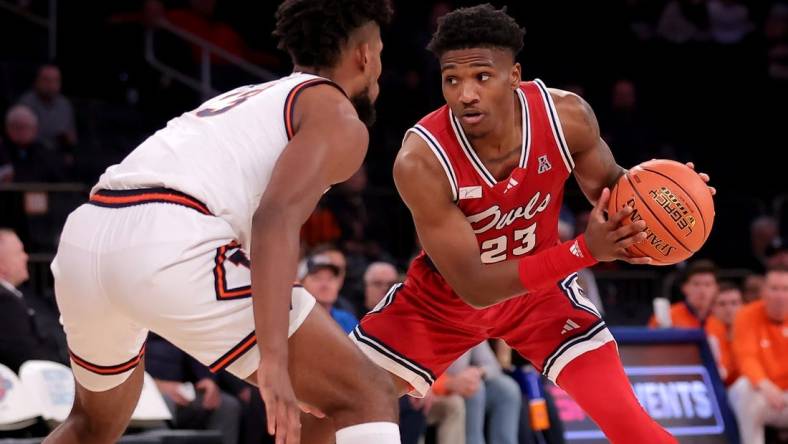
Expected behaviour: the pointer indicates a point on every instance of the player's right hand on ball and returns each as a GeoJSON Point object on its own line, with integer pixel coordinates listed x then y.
{"type": "Point", "coordinates": [282, 410]}
{"type": "Point", "coordinates": [608, 239]}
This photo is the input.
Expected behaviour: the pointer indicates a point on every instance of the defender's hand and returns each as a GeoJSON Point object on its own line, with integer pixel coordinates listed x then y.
{"type": "Point", "coordinates": [281, 406]}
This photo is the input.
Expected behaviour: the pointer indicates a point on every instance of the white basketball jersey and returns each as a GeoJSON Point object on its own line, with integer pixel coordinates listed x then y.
{"type": "Point", "coordinates": [222, 153]}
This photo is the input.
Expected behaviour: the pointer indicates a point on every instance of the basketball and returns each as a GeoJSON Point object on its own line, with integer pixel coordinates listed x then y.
{"type": "Point", "coordinates": [675, 203]}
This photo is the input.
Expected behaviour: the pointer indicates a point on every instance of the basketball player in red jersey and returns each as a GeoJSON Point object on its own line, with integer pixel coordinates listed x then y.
{"type": "Point", "coordinates": [483, 177]}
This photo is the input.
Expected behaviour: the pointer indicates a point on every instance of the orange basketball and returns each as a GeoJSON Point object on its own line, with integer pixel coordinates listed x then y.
{"type": "Point", "coordinates": [675, 203]}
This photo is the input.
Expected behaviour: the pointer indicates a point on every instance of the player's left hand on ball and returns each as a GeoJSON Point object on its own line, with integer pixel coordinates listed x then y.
{"type": "Point", "coordinates": [705, 178]}
{"type": "Point", "coordinates": [635, 260]}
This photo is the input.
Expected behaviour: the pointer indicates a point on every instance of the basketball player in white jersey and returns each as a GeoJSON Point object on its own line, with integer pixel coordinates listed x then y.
{"type": "Point", "coordinates": [162, 244]}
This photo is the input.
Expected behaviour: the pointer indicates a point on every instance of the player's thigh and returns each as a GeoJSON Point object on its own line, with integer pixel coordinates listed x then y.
{"type": "Point", "coordinates": [552, 328]}
{"type": "Point", "coordinates": [413, 342]}
{"type": "Point", "coordinates": [105, 344]}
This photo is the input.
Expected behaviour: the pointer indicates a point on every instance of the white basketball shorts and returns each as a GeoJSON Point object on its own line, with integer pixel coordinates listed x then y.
{"type": "Point", "coordinates": [155, 259]}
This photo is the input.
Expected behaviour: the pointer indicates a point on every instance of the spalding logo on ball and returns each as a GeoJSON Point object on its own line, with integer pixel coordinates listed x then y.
{"type": "Point", "coordinates": [676, 205]}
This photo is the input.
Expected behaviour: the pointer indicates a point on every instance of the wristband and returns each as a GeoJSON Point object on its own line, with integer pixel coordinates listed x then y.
{"type": "Point", "coordinates": [547, 267]}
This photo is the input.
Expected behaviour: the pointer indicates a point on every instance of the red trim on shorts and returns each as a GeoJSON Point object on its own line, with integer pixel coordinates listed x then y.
{"type": "Point", "coordinates": [236, 352]}
{"type": "Point", "coordinates": [127, 198]}
{"type": "Point", "coordinates": [106, 370]}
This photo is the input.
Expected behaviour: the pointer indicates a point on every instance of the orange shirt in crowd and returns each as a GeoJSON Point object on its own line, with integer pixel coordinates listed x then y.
{"type": "Point", "coordinates": [439, 387]}
{"type": "Point", "coordinates": [682, 317]}
{"type": "Point", "coordinates": [760, 345]}
{"type": "Point", "coordinates": [722, 336]}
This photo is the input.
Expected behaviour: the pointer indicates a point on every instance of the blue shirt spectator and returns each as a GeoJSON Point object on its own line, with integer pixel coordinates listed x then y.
{"type": "Point", "coordinates": [344, 318]}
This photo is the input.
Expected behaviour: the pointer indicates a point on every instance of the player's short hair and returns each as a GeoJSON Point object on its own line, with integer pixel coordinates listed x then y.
{"type": "Point", "coordinates": [480, 26]}
{"type": "Point", "coordinates": [313, 31]}
{"type": "Point", "coordinates": [701, 266]}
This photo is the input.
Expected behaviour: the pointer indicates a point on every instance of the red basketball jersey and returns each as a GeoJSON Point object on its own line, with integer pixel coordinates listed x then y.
{"type": "Point", "coordinates": [517, 215]}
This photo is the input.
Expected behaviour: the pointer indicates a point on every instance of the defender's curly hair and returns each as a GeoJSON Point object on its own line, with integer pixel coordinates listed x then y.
{"type": "Point", "coordinates": [477, 26]}
{"type": "Point", "coordinates": [313, 31]}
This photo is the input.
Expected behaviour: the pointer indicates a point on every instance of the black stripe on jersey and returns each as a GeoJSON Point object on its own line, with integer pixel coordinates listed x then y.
{"type": "Point", "coordinates": [565, 286]}
{"type": "Point", "coordinates": [292, 96]}
{"type": "Point", "coordinates": [526, 149]}
{"type": "Point", "coordinates": [466, 146]}
{"type": "Point", "coordinates": [595, 329]}
{"type": "Point", "coordinates": [381, 348]}
{"type": "Point", "coordinates": [554, 122]}
{"type": "Point", "coordinates": [389, 298]}
{"type": "Point", "coordinates": [442, 156]}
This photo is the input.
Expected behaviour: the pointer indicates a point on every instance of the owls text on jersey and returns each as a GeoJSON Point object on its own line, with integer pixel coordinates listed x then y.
{"type": "Point", "coordinates": [517, 215]}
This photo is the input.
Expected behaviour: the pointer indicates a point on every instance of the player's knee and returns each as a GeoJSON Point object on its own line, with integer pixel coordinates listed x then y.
{"type": "Point", "coordinates": [372, 393]}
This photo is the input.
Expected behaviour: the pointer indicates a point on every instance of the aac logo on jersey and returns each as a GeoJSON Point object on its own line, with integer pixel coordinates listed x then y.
{"type": "Point", "coordinates": [544, 164]}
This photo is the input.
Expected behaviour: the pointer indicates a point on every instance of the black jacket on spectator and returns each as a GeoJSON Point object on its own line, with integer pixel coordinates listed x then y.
{"type": "Point", "coordinates": [34, 163]}
{"type": "Point", "coordinates": [166, 361]}
{"type": "Point", "coordinates": [28, 330]}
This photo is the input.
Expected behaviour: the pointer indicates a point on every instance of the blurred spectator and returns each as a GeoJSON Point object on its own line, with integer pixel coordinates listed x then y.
{"type": "Point", "coordinates": [321, 278]}
{"type": "Point", "coordinates": [699, 288]}
{"type": "Point", "coordinates": [727, 303]}
{"type": "Point", "coordinates": [760, 345]}
{"type": "Point", "coordinates": [321, 227]}
{"type": "Point", "coordinates": [6, 169]}
{"type": "Point", "coordinates": [684, 21]}
{"type": "Point", "coordinates": [378, 280]}
{"type": "Point", "coordinates": [643, 15]}
{"type": "Point", "coordinates": [354, 212]}
{"type": "Point", "coordinates": [28, 328]}
{"type": "Point", "coordinates": [350, 209]}
{"type": "Point", "coordinates": [488, 393]}
{"type": "Point", "coordinates": [763, 232]}
{"type": "Point", "coordinates": [413, 418]}
{"type": "Point", "coordinates": [56, 126]}
{"type": "Point", "coordinates": [627, 128]}
{"type": "Point", "coordinates": [199, 18]}
{"type": "Point", "coordinates": [720, 329]}
{"type": "Point", "coordinates": [447, 414]}
{"type": "Point", "coordinates": [777, 254]}
{"type": "Point", "coordinates": [30, 161]}
{"type": "Point", "coordinates": [191, 392]}
{"type": "Point", "coordinates": [531, 387]}
{"type": "Point", "coordinates": [777, 41]}
{"type": "Point", "coordinates": [729, 21]}
{"type": "Point", "coordinates": [752, 288]}
{"type": "Point", "coordinates": [349, 278]}
{"type": "Point", "coordinates": [334, 256]}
